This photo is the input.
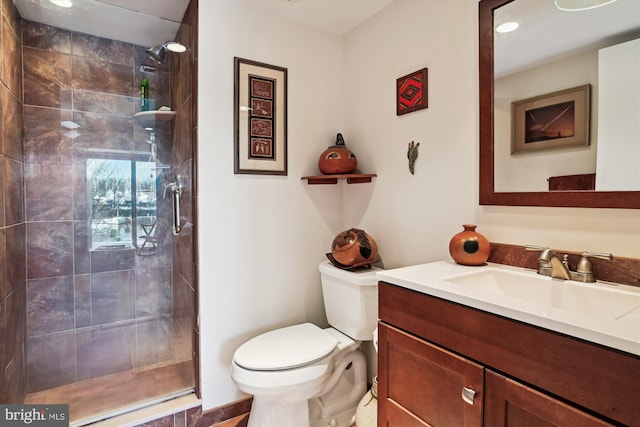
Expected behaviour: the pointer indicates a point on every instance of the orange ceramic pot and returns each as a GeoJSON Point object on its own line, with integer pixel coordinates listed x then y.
{"type": "Point", "coordinates": [354, 248]}
{"type": "Point", "coordinates": [337, 159]}
{"type": "Point", "coordinates": [469, 247]}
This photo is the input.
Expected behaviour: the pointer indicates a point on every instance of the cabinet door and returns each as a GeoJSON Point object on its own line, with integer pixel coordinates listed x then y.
{"type": "Point", "coordinates": [420, 384]}
{"type": "Point", "coordinates": [511, 404]}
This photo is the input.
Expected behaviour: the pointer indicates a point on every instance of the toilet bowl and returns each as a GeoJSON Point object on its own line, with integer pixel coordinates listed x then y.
{"type": "Point", "coordinates": [304, 375]}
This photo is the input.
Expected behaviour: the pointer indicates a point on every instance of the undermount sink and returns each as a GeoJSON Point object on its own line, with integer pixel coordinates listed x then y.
{"type": "Point", "coordinates": [600, 312]}
{"type": "Point", "coordinates": [599, 300]}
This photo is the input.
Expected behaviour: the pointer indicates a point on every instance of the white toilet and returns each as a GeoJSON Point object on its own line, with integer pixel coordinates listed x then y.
{"type": "Point", "coordinates": [303, 375]}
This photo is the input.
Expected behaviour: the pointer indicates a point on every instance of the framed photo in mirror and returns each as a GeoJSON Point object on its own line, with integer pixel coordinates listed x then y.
{"type": "Point", "coordinates": [553, 120]}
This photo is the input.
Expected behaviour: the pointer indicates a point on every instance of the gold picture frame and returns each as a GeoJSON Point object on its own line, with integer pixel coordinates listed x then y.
{"type": "Point", "coordinates": [554, 120]}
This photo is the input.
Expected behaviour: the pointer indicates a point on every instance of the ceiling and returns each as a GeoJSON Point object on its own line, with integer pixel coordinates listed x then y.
{"type": "Point", "coordinates": [546, 33]}
{"type": "Point", "coordinates": [152, 22]}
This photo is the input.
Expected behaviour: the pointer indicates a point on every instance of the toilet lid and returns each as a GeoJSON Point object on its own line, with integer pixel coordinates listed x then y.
{"type": "Point", "coordinates": [285, 348]}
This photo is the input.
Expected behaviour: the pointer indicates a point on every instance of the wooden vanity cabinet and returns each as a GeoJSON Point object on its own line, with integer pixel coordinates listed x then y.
{"type": "Point", "coordinates": [515, 374]}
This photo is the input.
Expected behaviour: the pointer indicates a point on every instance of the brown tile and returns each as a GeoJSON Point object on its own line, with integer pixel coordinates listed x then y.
{"type": "Point", "coordinates": [111, 51]}
{"type": "Point", "coordinates": [2, 195]}
{"type": "Point", "coordinates": [14, 375]}
{"type": "Point", "coordinates": [82, 299]}
{"type": "Point", "coordinates": [181, 143]}
{"type": "Point", "coordinates": [13, 192]}
{"type": "Point", "coordinates": [3, 286]}
{"type": "Point", "coordinates": [100, 76]}
{"type": "Point", "coordinates": [12, 60]}
{"type": "Point", "coordinates": [16, 320]}
{"type": "Point", "coordinates": [45, 37]}
{"type": "Point", "coordinates": [104, 103]}
{"type": "Point", "coordinates": [50, 305]}
{"type": "Point", "coordinates": [49, 249]}
{"type": "Point", "coordinates": [11, 14]}
{"type": "Point", "coordinates": [154, 340]}
{"type": "Point", "coordinates": [103, 131]}
{"type": "Point", "coordinates": [111, 260]}
{"type": "Point", "coordinates": [153, 291]}
{"type": "Point", "coordinates": [81, 203]}
{"type": "Point", "coordinates": [11, 125]}
{"type": "Point", "coordinates": [105, 350]}
{"type": "Point", "coordinates": [81, 247]}
{"type": "Point", "coordinates": [112, 296]}
{"type": "Point", "coordinates": [47, 192]}
{"type": "Point", "coordinates": [15, 269]}
{"type": "Point", "coordinates": [45, 140]}
{"type": "Point", "coordinates": [47, 78]}
{"type": "Point", "coordinates": [51, 360]}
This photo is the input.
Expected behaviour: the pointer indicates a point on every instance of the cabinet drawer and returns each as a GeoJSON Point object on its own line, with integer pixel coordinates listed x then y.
{"type": "Point", "coordinates": [418, 380]}
{"type": "Point", "coordinates": [511, 404]}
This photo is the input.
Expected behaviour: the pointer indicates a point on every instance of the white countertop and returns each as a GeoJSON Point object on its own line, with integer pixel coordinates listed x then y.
{"type": "Point", "coordinates": [622, 333]}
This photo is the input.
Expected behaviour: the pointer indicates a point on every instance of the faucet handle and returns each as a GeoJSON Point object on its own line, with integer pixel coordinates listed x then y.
{"type": "Point", "coordinates": [584, 265]}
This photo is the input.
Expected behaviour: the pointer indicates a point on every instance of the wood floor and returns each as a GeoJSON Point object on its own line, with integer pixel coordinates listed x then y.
{"type": "Point", "coordinates": [95, 397]}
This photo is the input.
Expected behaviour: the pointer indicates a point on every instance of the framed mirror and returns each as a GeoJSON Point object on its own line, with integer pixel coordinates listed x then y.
{"type": "Point", "coordinates": [491, 193]}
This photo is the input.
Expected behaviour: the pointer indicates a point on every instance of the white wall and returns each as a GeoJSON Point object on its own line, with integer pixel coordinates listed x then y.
{"type": "Point", "coordinates": [413, 217]}
{"type": "Point", "coordinates": [255, 277]}
{"type": "Point", "coordinates": [261, 237]}
{"type": "Point", "coordinates": [619, 131]}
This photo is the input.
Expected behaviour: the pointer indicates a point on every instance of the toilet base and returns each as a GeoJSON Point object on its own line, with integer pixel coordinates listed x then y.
{"type": "Point", "coordinates": [275, 412]}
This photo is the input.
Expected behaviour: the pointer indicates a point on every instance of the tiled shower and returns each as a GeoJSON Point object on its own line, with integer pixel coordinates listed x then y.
{"type": "Point", "coordinates": [73, 307]}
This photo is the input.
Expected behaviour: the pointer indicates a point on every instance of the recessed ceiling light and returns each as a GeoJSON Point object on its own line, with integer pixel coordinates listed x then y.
{"type": "Point", "coordinates": [577, 5]}
{"type": "Point", "coordinates": [507, 27]}
{"type": "Point", "coordinates": [62, 3]}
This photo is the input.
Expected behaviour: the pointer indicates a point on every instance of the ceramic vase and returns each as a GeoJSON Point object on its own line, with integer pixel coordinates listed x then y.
{"type": "Point", "coordinates": [337, 159]}
{"type": "Point", "coordinates": [469, 247]}
{"type": "Point", "coordinates": [367, 410]}
{"type": "Point", "coordinates": [353, 248]}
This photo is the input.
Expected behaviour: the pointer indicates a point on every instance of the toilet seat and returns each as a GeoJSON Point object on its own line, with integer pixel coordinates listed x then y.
{"type": "Point", "coordinates": [286, 348]}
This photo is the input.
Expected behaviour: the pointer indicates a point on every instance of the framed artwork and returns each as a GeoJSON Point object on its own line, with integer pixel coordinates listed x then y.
{"type": "Point", "coordinates": [411, 92]}
{"type": "Point", "coordinates": [260, 122]}
{"type": "Point", "coordinates": [554, 120]}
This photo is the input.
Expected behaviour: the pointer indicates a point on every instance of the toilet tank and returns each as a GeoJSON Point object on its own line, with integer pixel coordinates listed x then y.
{"type": "Point", "coordinates": [350, 300]}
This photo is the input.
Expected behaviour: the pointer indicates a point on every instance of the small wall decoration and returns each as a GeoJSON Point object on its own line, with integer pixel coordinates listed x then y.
{"type": "Point", "coordinates": [260, 122]}
{"type": "Point", "coordinates": [412, 155]}
{"type": "Point", "coordinates": [411, 92]}
{"type": "Point", "coordinates": [554, 120]}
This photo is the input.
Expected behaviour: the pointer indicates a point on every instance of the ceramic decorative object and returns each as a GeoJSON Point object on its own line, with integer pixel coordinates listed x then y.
{"type": "Point", "coordinates": [353, 248]}
{"type": "Point", "coordinates": [337, 159]}
{"type": "Point", "coordinates": [367, 410]}
{"type": "Point", "coordinates": [412, 155]}
{"type": "Point", "coordinates": [469, 247]}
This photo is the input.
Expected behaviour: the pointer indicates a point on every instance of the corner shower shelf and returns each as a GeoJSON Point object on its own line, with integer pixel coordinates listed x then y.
{"type": "Point", "coordinates": [352, 178]}
{"type": "Point", "coordinates": [150, 117]}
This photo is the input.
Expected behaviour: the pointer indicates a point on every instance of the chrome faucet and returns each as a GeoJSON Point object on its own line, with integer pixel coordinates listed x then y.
{"type": "Point", "coordinates": [551, 265]}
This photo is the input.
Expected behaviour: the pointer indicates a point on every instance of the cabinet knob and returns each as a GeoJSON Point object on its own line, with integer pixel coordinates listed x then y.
{"type": "Point", "coordinates": [468, 395]}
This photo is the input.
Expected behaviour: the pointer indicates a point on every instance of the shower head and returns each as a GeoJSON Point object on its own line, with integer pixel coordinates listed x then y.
{"type": "Point", "coordinates": [156, 53]}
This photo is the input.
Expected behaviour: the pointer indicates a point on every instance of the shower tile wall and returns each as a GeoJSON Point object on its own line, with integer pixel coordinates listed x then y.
{"type": "Point", "coordinates": [184, 145]}
{"type": "Point", "coordinates": [89, 313]}
{"type": "Point", "coordinates": [12, 217]}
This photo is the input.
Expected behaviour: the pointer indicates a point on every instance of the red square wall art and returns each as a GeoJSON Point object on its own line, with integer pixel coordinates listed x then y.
{"type": "Point", "coordinates": [411, 92]}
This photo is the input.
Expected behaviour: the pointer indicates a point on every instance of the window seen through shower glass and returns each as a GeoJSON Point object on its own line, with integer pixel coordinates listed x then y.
{"type": "Point", "coordinates": [122, 195]}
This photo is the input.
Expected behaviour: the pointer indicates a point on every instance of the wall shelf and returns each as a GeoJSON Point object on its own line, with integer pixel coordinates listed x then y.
{"type": "Point", "coordinates": [352, 178]}
{"type": "Point", "coordinates": [147, 118]}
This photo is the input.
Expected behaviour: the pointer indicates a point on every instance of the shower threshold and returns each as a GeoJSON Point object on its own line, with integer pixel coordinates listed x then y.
{"type": "Point", "coordinates": [102, 398]}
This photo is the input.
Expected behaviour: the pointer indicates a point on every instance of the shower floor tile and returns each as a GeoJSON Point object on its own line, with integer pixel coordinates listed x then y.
{"type": "Point", "coordinates": [94, 397]}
